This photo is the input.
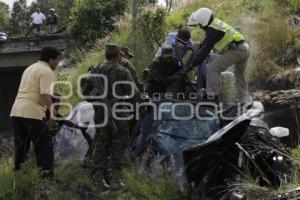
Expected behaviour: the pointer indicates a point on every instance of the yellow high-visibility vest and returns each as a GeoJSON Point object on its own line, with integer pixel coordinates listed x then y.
{"type": "Point", "coordinates": [230, 35]}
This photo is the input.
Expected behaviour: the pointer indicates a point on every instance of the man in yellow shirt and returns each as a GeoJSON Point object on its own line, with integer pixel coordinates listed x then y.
{"type": "Point", "coordinates": [33, 99]}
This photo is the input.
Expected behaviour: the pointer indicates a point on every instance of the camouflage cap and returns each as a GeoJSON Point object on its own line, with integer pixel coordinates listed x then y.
{"type": "Point", "coordinates": [112, 48]}
{"type": "Point", "coordinates": [127, 52]}
{"type": "Point", "coordinates": [166, 51]}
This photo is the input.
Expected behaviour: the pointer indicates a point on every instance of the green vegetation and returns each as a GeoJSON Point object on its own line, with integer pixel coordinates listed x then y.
{"type": "Point", "coordinates": [265, 23]}
{"type": "Point", "coordinates": [4, 16]}
{"type": "Point", "coordinates": [72, 183]}
{"type": "Point", "coordinates": [254, 191]}
{"type": "Point", "coordinates": [274, 44]}
{"type": "Point", "coordinates": [27, 184]}
{"type": "Point", "coordinates": [92, 19]}
{"type": "Point", "coordinates": [17, 23]}
{"type": "Point", "coordinates": [273, 40]}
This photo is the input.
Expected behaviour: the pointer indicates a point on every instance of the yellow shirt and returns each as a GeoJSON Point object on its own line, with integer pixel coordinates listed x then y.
{"type": "Point", "coordinates": [37, 79]}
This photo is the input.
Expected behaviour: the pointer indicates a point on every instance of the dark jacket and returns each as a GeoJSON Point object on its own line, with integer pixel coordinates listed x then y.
{"type": "Point", "coordinates": [212, 36]}
{"type": "Point", "coordinates": [51, 19]}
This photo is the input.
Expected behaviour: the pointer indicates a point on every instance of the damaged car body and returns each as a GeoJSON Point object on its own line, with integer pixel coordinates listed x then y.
{"type": "Point", "coordinates": [208, 148]}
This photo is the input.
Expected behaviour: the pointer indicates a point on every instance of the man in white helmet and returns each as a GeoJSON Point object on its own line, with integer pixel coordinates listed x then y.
{"type": "Point", "coordinates": [229, 47]}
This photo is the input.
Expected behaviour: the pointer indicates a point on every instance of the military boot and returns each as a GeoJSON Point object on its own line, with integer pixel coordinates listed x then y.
{"type": "Point", "coordinates": [116, 183]}
{"type": "Point", "coordinates": [99, 182]}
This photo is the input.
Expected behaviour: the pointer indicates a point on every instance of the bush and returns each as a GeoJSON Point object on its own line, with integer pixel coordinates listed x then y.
{"type": "Point", "coordinates": [150, 25]}
{"type": "Point", "coordinates": [18, 24]}
{"type": "Point", "coordinates": [92, 19]}
{"type": "Point", "coordinates": [148, 36]}
{"type": "Point", "coordinates": [4, 16]}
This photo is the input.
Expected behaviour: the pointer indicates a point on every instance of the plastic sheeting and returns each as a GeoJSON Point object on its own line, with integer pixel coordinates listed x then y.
{"type": "Point", "coordinates": [179, 128]}
{"type": "Point", "coordinates": [70, 144]}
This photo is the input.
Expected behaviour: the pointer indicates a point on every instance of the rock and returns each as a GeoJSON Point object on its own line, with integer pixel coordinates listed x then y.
{"type": "Point", "coordinates": [267, 98]}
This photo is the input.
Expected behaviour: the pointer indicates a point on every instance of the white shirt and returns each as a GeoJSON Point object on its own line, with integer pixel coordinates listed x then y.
{"type": "Point", "coordinates": [38, 18]}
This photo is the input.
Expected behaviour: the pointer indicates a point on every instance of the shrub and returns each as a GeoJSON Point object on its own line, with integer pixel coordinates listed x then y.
{"type": "Point", "coordinates": [4, 16]}
{"type": "Point", "coordinates": [147, 42]}
{"type": "Point", "coordinates": [92, 19]}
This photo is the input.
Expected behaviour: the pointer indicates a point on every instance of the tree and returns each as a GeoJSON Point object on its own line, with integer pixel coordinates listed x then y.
{"type": "Point", "coordinates": [171, 4]}
{"type": "Point", "coordinates": [92, 19]}
{"type": "Point", "coordinates": [147, 2]}
{"type": "Point", "coordinates": [4, 16]}
{"type": "Point", "coordinates": [18, 22]}
{"type": "Point", "coordinates": [63, 10]}
{"type": "Point", "coordinates": [43, 5]}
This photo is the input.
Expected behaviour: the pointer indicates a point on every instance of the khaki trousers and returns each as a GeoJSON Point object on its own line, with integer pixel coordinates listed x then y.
{"type": "Point", "coordinates": [219, 63]}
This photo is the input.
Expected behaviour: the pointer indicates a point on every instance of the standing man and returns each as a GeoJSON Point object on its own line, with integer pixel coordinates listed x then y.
{"type": "Point", "coordinates": [37, 21]}
{"type": "Point", "coordinates": [127, 55]}
{"type": "Point", "coordinates": [52, 20]}
{"type": "Point", "coordinates": [230, 49]}
{"type": "Point", "coordinates": [112, 139]}
{"type": "Point", "coordinates": [33, 98]}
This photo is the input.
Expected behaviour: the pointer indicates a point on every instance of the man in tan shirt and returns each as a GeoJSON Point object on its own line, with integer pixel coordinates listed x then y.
{"type": "Point", "coordinates": [33, 99]}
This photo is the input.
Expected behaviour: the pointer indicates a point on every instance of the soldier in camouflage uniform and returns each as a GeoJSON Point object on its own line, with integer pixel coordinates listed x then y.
{"type": "Point", "coordinates": [165, 74]}
{"type": "Point", "coordinates": [110, 142]}
{"type": "Point", "coordinates": [127, 55]}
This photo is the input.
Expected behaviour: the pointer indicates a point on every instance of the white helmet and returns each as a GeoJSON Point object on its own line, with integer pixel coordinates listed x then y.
{"type": "Point", "coordinates": [201, 16]}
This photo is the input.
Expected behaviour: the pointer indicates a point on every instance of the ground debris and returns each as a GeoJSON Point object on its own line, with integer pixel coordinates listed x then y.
{"type": "Point", "coordinates": [279, 97]}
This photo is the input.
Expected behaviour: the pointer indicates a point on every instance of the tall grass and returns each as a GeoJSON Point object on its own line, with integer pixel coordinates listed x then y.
{"type": "Point", "coordinates": [95, 56]}
{"type": "Point", "coordinates": [72, 183]}
{"type": "Point", "coordinates": [142, 185]}
{"type": "Point", "coordinates": [254, 191]}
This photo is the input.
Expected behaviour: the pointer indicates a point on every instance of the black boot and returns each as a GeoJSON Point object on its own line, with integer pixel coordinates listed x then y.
{"type": "Point", "coordinates": [99, 182]}
{"type": "Point", "coordinates": [116, 183]}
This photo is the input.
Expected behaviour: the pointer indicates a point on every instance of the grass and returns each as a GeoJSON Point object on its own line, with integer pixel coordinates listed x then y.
{"type": "Point", "coordinates": [142, 185]}
{"type": "Point", "coordinates": [72, 183]}
{"type": "Point", "coordinates": [28, 184]}
{"type": "Point", "coordinates": [252, 189]}
{"type": "Point", "coordinates": [264, 24]}
{"type": "Point", "coordinates": [82, 60]}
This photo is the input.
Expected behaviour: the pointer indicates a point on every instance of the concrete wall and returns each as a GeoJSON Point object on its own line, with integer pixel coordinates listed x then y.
{"type": "Point", "coordinates": [9, 84]}
{"type": "Point", "coordinates": [17, 59]}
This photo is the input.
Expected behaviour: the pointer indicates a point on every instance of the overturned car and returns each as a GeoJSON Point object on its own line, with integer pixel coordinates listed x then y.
{"type": "Point", "coordinates": [207, 147]}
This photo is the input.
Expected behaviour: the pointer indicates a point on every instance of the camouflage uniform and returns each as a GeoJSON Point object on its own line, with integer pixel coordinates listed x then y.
{"type": "Point", "coordinates": [163, 74]}
{"type": "Point", "coordinates": [127, 65]}
{"type": "Point", "coordinates": [109, 142]}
